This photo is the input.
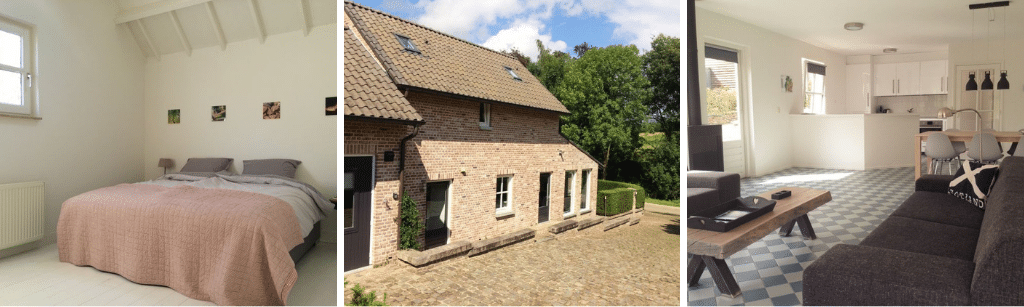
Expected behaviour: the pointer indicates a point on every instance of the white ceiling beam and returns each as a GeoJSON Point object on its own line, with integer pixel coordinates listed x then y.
{"type": "Point", "coordinates": [181, 33]}
{"type": "Point", "coordinates": [261, 32]}
{"type": "Point", "coordinates": [149, 42]}
{"type": "Point", "coordinates": [216, 25]}
{"type": "Point", "coordinates": [304, 10]}
{"type": "Point", "coordinates": [154, 9]}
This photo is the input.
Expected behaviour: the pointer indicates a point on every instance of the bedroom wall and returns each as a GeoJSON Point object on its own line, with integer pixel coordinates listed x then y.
{"type": "Point", "coordinates": [299, 71]}
{"type": "Point", "coordinates": [89, 81]}
{"type": "Point", "coordinates": [768, 55]}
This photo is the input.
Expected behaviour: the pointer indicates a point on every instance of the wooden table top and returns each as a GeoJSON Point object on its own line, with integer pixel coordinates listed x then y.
{"type": "Point", "coordinates": [1002, 136]}
{"type": "Point", "coordinates": [723, 244]}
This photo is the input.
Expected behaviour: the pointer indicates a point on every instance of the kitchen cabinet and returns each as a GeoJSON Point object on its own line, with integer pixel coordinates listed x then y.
{"type": "Point", "coordinates": [934, 76]}
{"type": "Point", "coordinates": [908, 78]}
{"type": "Point", "coordinates": [858, 88]}
{"type": "Point", "coordinates": [885, 79]}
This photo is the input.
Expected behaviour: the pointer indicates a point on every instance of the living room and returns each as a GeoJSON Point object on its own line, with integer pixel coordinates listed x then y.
{"type": "Point", "coordinates": [799, 95]}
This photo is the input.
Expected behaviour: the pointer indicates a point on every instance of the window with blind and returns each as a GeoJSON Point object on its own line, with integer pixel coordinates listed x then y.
{"type": "Point", "coordinates": [814, 88]}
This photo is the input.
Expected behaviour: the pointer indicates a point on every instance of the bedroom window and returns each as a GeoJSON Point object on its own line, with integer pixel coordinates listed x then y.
{"type": "Point", "coordinates": [15, 68]}
{"type": "Point", "coordinates": [407, 43]}
{"type": "Point", "coordinates": [502, 193]}
{"type": "Point", "coordinates": [485, 116]}
{"type": "Point", "coordinates": [814, 89]}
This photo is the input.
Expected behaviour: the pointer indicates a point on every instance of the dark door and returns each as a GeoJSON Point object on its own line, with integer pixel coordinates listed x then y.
{"type": "Point", "coordinates": [437, 214]}
{"type": "Point", "coordinates": [356, 218]}
{"type": "Point", "coordinates": [544, 207]}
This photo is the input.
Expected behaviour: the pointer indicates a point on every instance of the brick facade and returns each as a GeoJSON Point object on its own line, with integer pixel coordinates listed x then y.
{"type": "Point", "coordinates": [522, 143]}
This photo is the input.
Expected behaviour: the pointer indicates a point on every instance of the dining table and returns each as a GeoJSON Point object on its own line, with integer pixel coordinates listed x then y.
{"type": "Point", "coordinates": [959, 136]}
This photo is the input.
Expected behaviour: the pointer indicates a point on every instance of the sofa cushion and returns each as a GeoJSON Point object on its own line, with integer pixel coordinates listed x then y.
{"type": "Point", "coordinates": [999, 276]}
{"type": "Point", "coordinates": [700, 199]}
{"type": "Point", "coordinates": [919, 236]}
{"type": "Point", "coordinates": [972, 182]}
{"type": "Point", "coordinates": [940, 208]}
{"type": "Point", "coordinates": [727, 184]}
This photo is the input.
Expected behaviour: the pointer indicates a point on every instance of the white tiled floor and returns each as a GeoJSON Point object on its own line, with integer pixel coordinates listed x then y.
{"type": "Point", "coordinates": [37, 277]}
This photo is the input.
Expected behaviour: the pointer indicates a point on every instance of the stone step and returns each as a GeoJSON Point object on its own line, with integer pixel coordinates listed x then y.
{"type": "Point", "coordinates": [562, 226]}
{"type": "Point", "coordinates": [483, 246]}
{"type": "Point", "coordinates": [421, 258]}
{"type": "Point", "coordinates": [616, 222]}
{"type": "Point", "coordinates": [584, 224]}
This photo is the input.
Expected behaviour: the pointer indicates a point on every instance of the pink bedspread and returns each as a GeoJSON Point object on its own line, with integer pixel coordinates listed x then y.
{"type": "Point", "coordinates": [224, 246]}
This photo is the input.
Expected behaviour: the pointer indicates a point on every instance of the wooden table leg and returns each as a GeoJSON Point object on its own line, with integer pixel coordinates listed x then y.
{"type": "Point", "coordinates": [723, 277]}
{"type": "Point", "coordinates": [917, 158]}
{"type": "Point", "coordinates": [694, 270]}
{"type": "Point", "coordinates": [805, 227]}
{"type": "Point", "coordinates": [787, 228]}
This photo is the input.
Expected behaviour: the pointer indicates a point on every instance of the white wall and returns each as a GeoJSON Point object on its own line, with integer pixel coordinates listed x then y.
{"type": "Point", "coordinates": [89, 80]}
{"type": "Point", "coordinates": [976, 53]}
{"type": "Point", "coordinates": [889, 140]}
{"type": "Point", "coordinates": [299, 71]}
{"type": "Point", "coordinates": [768, 55]}
{"type": "Point", "coordinates": [828, 141]}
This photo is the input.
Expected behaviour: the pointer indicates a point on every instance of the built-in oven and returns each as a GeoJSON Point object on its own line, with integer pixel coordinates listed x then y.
{"type": "Point", "coordinates": [930, 124]}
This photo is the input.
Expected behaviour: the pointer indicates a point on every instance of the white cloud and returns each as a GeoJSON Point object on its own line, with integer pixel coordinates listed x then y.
{"type": "Point", "coordinates": [638, 21]}
{"type": "Point", "coordinates": [523, 36]}
{"type": "Point", "coordinates": [467, 19]}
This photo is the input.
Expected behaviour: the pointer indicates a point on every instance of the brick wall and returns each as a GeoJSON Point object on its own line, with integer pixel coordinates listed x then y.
{"type": "Point", "coordinates": [522, 143]}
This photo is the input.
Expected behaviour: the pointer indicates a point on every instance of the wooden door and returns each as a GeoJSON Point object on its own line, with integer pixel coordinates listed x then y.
{"type": "Point", "coordinates": [356, 216]}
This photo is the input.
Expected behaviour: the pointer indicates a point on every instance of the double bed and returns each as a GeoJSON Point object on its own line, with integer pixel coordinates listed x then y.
{"type": "Point", "coordinates": [213, 236]}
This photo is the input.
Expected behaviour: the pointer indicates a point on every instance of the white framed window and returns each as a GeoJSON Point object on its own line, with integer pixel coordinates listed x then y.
{"type": "Point", "coordinates": [570, 186]}
{"type": "Point", "coordinates": [16, 68]}
{"type": "Point", "coordinates": [814, 87]}
{"type": "Point", "coordinates": [584, 189]}
{"type": "Point", "coordinates": [485, 115]}
{"type": "Point", "coordinates": [503, 194]}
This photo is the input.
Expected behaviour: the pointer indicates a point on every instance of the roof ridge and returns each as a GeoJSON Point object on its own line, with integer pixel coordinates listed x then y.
{"type": "Point", "coordinates": [349, 2]}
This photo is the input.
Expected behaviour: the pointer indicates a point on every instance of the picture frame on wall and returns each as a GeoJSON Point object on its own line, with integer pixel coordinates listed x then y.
{"type": "Point", "coordinates": [272, 110]}
{"type": "Point", "coordinates": [174, 116]}
{"type": "Point", "coordinates": [787, 84]}
{"type": "Point", "coordinates": [331, 106]}
{"type": "Point", "coordinates": [218, 113]}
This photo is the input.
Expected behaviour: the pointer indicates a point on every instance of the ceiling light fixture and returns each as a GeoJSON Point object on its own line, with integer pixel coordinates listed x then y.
{"type": "Point", "coordinates": [889, 50]}
{"type": "Point", "coordinates": [987, 84]}
{"type": "Point", "coordinates": [854, 26]}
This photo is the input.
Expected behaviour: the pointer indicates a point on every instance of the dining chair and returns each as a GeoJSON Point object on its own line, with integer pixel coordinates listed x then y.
{"type": "Point", "coordinates": [959, 146]}
{"type": "Point", "coordinates": [1019, 152]}
{"type": "Point", "coordinates": [940, 149]}
{"type": "Point", "coordinates": [984, 148]}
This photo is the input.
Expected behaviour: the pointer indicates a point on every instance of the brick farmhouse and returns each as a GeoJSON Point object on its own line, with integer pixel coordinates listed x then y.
{"type": "Point", "coordinates": [466, 131]}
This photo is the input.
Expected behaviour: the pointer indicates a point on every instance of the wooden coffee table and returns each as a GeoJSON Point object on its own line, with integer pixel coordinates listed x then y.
{"type": "Point", "coordinates": [709, 248]}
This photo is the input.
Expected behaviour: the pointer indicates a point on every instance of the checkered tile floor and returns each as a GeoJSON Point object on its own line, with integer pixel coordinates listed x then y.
{"type": "Point", "coordinates": [770, 271]}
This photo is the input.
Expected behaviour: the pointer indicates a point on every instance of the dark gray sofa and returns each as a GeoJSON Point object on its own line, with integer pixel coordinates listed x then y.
{"type": "Point", "coordinates": [934, 249]}
{"type": "Point", "coordinates": [705, 189]}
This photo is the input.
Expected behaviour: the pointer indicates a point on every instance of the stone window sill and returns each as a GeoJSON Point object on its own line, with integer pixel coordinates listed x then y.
{"type": "Point", "coordinates": [485, 127]}
{"type": "Point", "coordinates": [504, 213]}
{"type": "Point", "coordinates": [585, 211]}
{"type": "Point", "coordinates": [568, 215]}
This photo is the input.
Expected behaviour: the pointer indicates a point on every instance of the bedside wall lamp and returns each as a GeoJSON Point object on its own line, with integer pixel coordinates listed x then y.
{"type": "Point", "coordinates": [165, 163]}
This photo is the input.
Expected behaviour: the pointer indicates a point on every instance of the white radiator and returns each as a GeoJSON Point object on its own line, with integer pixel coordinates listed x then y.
{"type": "Point", "coordinates": [21, 213]}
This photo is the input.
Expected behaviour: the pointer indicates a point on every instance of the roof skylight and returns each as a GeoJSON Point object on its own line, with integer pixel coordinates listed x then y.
{"type": "Point", "coordinates": [407, 43]}
{"type": "Point", "coordinates": [513, 73]}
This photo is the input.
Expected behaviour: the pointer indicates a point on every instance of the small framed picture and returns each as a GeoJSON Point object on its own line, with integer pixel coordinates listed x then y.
{"type": "Point", "coordinates": [174, 116]}
{"type": "Point", "coordinates": [219, 113]}
{"type": "Point", "coordinates": [331, 106]}
{"type": "Point", "coordinates": [272, 110]}
{"type": "Point", "coordinates": [787, 84]}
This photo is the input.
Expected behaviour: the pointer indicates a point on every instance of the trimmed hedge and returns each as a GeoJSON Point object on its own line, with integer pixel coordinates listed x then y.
{"type": "Point", "coordinates": [619, 197]}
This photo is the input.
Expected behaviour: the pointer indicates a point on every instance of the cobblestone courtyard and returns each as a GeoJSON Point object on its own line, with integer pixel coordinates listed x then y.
{"type": "Point", "coordinates": [628, 265]}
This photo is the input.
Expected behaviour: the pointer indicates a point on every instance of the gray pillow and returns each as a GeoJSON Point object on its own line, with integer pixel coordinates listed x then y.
{"type": "Point", "coordinates": [280, 167]}
{"type": "Point", "coordinates": [211, 165]}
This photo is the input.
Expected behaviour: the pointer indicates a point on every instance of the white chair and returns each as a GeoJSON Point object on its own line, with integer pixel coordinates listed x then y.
{"type": "Point", "coordinates": [960, 147]}
{"type": "Point", "coordinates": [1019, 152]}
{"type": "Point", "coordinates": [984, 148]}
{"type": "Point", "coordinates": [940, 149]}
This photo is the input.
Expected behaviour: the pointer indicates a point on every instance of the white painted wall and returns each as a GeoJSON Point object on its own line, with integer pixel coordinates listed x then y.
{"type": "Point", "coordinates": [968, 53]}
{"type": "Point", "coordinates": [299, 71]}
{"type": "Point", "coordinates": [828, 141]}
{"type": "Point", "coordinates": [765, 56]}
{"type": "Point", "coordinates": [89, 80]}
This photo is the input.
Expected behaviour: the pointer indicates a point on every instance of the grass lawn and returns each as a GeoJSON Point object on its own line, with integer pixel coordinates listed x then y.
{"type": "Point", "coordinates": [673, 203]}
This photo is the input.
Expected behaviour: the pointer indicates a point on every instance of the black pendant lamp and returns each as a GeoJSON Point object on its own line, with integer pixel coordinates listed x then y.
{"type": "Point", "coordinates": [987, 84]}
{"type": "Point", "coordinates": [1003, 84]}
{"type": "Point", "coordinates": [971, 84]}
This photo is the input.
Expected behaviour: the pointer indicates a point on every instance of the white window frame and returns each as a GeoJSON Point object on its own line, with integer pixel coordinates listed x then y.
{"type": "Point", "coordinates": [572, 195]}
{"type": "Point", "coordinates": [27, 70]}
{"type": "Point", "coordinates": [485, 123]}
{"type": "Point", "coordinates": [507, 193]}
{"type": "Point", "coordinates": [584, 191]}
{"type": "Point", "coordinates": [812, 107]}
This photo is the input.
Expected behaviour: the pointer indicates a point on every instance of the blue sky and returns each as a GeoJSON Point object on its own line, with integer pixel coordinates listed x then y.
{"type": "Point", "coordinates": [560, 24]}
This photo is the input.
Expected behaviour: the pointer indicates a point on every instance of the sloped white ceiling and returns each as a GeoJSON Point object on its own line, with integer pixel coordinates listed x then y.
{"type": "Point", "coordinates": [172, 26]}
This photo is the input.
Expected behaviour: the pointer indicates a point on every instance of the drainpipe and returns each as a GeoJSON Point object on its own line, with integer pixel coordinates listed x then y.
{"type": "Point", "coordinates": [401, 162]}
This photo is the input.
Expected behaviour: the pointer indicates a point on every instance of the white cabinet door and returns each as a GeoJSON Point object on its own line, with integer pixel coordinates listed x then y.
{"type": "Point", "coordinates": [908, 78]}
{"type": "Point", "coordinates": [858, 88]}
{"type": "Point", "coordinates": [885, 79]}
{"type": "Point", "coordinates": [933, 77]}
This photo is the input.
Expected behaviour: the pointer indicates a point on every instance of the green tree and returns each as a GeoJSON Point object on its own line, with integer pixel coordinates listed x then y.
{"type": "Point", "coordinates": [513, 52]}
{"type": "Point", "coordinates": [550, 67]}
{"type": "Point", "coordinates": [606, 92]}
{"type": "Point", "coordinates": [661, 66]}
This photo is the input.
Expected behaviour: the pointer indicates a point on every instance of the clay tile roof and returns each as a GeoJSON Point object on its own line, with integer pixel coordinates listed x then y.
{"type": "Point", "coordinates": [368, 90]}
{"type": "Point", "coordinates": [448, 64]}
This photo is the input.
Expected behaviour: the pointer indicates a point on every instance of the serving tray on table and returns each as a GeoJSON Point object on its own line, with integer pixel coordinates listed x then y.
{"type": "Point", "coordinates": [731, 214]}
